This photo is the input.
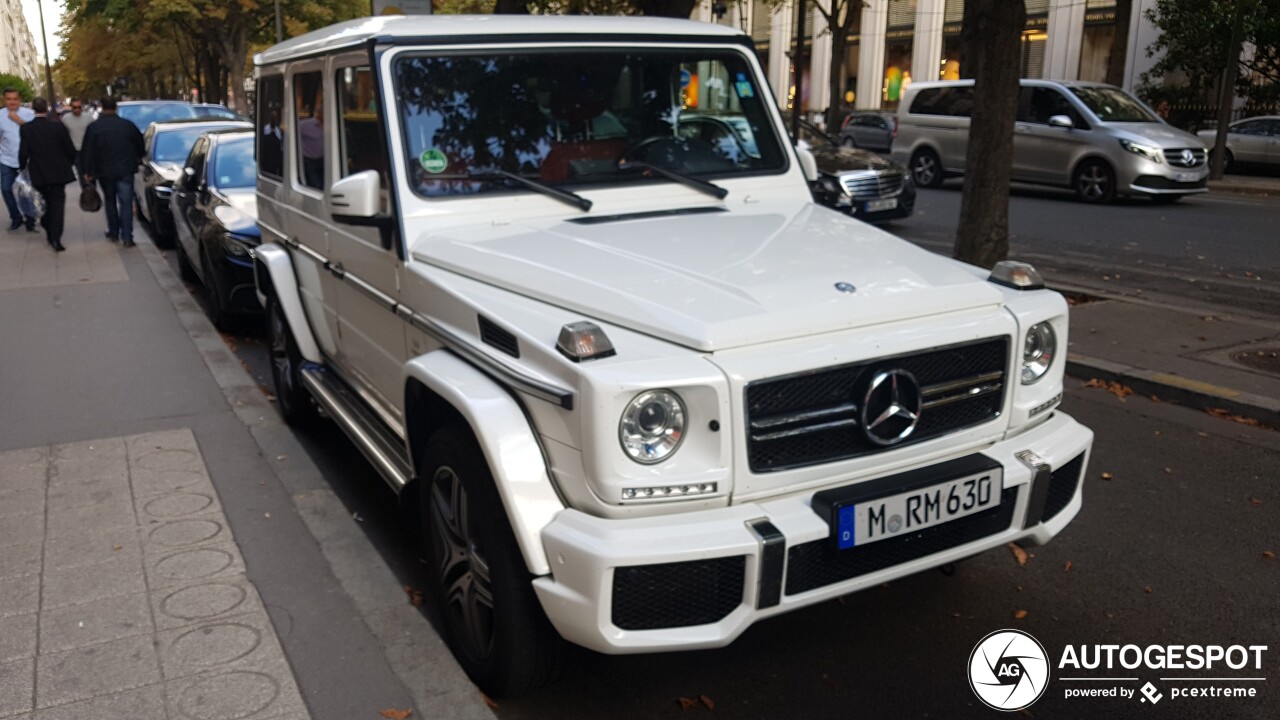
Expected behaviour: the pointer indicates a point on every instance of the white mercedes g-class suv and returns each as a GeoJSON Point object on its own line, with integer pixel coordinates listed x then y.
{"type": "Point", "coordinates": [562, 280]}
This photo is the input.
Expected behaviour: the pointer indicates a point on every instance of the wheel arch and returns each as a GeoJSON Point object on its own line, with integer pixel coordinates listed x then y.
{"type": "Point", "coordinates": [273, 275]}
{"type": "Point", "coordinates": [442, 388]}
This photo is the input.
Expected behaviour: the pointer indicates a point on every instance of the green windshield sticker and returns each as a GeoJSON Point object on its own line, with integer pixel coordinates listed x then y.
{"type": "Point", "coordinates": [433, 161]}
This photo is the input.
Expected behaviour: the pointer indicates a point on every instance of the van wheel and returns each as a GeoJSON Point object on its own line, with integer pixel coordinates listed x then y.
{"type": "Point", "coordinates": [1229, 161]}
{"type": "Point", "coordinates": [849, 142]}
{"type": "Point", "coordinates": [296, 406]}
{"type": "Point", "coordinates": [926, 168]}
{"type": "Point", "coordinates": [478, 579]}
{"type": "Point", "coordinates": [1094, 182]}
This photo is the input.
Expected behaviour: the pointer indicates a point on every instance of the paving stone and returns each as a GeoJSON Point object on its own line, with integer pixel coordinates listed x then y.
{"type": "Point", "coordinates": [203, 602]}
{"type": "Point", "coordinates": [89, 492]}
{"type": "Point", "coordinates": [16, 681]}
{"type": "Point", "coordinates": [154, 482]}
{"type": "Point", "coordinates": [160, 458]}
{"type": "Point", "coordinates": [175, 506]}
{"type": "Point", "coordinates": [96, 670]}
{"type": "Point", "coordinates": [22, 528]}
{"type": "Point", "coordinates": [72, 473]}
{"type": "Point", "coordinates": [19, 595]}
{"type": "Point", "coordinates": [210, 646]}
{"type": "Point", "coordinates": [142, 704]}
{"type": "Point", "coordinates": [94, 622]}
{"type": "Point", "coordinates": [101, 451]}
{"type": "Point", "coordinates": [206, 529]}
{"type": "Point", "coordinates": [207, 562]}
{"type": "Point", "coordinates": [22, 501]}
{"type": "Point", "coordinates": [181, 439]}
{"type": "Point", "coordinates": [24, 469]}
{"type": "Point", "coordinates": [18, 560]}
{"type": "Point", "coordinates": [112, 578]}
{"type": "Point", "coordinates": [17, 637]}
{"type": "Point", "coordinates": [92, 519]}
{"type": "Point", "coordinates": [250, 691]}
{"type": "Point", "coordinates": [78, 551]}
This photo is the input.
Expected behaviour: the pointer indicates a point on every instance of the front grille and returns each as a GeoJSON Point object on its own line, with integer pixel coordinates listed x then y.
{"type": "Point", "coordinates": [1062, 487]}
{"type": "Point", "coordinates": [817, 564]}
{"type": "Point", "coordinates": [1178, 157]}
{"type": "Point", "coordinates": [813, 417]}
{"type": "Point", "coordinates": [681, 594]}
{"type": "Point", "coordinates": [874, 185]}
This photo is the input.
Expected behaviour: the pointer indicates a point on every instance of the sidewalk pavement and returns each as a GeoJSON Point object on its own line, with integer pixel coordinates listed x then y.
{"type": "Point", "coordinates": [1222, 363]}
{"type": "Point", "coordinates": [1264, 185]}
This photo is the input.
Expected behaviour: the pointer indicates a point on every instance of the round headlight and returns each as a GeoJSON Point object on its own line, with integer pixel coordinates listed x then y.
{"type": "Point", "coordinates": [652, 426]}
{"type": "Point", "coordinates": [1038, 352]}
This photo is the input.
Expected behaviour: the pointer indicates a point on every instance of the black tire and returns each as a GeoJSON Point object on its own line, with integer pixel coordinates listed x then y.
{"type": "Point", "coordinates": [926, 168]}
{"type": "Point", "coordinates": [159, 232]}
{"type": "Point", "coordinates": [185, 269]}
{"type": "Point", "coordinates": [849, 142]}
{"type": "Point", "coordinates": [215, 301]}
{"type": "Point", "coordinates": [1229, 165]}
{"type": "Point", "coordinates": [1094, 182]}
{"type": "Point", "coordinates": [478, 579]}
{"type": "Point", "coordinates": [296, 406]}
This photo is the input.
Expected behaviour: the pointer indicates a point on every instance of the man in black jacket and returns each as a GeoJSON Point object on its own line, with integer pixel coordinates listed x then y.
{"type": "Point", "coordinates": [110, 154]}
{"type": "Point", "coordinates": [47, 153]}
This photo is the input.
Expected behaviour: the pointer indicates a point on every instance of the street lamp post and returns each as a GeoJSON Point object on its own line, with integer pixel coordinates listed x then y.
{"type": "Point", "coordinates": [48, 71]}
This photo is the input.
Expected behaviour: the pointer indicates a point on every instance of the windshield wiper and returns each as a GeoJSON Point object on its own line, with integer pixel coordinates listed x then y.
{"type": "Point", "coordinates": [702, 186]}
{"type": "Point", "coordinates": [564, 196]}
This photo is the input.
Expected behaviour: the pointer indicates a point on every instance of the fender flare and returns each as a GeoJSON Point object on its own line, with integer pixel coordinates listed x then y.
{"type": "Point", "coordinates": [273, 275]}
{"type": "Point", "coordinates": [509, 444]}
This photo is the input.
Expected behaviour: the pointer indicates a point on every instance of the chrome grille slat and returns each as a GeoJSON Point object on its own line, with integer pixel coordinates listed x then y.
{"type": "Point", "coordinates": [874, 184]}
{"type": "Point", "coordinates": [939, 388]}
{"type": "Point", "coordinates": [772, 421]}
{"type": "Point", "coordinates": [1174, 157]}
{"type": "Point", "coordinates": [805, 430]}
{"type": "Point", "coordinates": [972, 392]}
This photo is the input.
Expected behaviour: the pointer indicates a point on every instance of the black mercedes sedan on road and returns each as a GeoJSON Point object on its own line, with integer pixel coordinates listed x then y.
{"type": "Point", "coordinates": [167, 145]}
{"type": "Point", "coordinates": [858, 182]}
{"type": "Point", "coordinates": [215, 214]}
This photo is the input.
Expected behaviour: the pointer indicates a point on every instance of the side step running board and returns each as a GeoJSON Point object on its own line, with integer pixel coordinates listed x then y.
{"type": "Point", "coordinates": [368, 432]}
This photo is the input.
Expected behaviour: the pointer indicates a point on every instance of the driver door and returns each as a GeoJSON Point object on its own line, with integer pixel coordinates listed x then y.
{"type": "Point", "coordinates": [185, 194]}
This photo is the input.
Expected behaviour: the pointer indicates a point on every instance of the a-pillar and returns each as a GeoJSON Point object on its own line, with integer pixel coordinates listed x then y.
{"type": "Point", "coordinates": [926, 46]}
{"type": "Point", "coordinates": [1066, 32]}
{"type": "Point", "coordinates": [875, 20]}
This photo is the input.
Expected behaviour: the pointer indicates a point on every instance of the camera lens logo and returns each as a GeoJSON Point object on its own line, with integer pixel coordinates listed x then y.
{"type": "Point", "coordinates": [1008, 670]}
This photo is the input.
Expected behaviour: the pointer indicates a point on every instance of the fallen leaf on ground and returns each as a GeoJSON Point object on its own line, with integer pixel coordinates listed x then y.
{"type": "Point", "coordinates": [686, 703]}
{"type": "Point", "coordinates": [1255, 501]}
{"type": "Point", "coordinates": [266, 515]}
{"type": "Point", "coordinates": [415, 596]}
{"type": "Point", "coordinates": [711, 704]}
{"type": "Point", "coordinates": [395, 714]}
{"type": "Point", "coordinates": [1018, 553]}
{"type": "Point", "coordinates": [1020, 615]}
{"type": "Point", "coordinates": [1228, 415]}
{"type": "Point", "coordinates": [1268, 554]}
{"type": "Point", "coordinates": [1115, 388]}
{"type": "Point", "coordinates": [1067, 567]}
{"type": "Point", "coordinates": [1168, 471]}
{"type": "Point", "coordinates": [1147, 589]}
{"type": "Point", "coordinates": [1107, 476]}
{"type": "Point", "coordinates": [490, 702]}
{"type": "Point", "coordinates": [117, 547]}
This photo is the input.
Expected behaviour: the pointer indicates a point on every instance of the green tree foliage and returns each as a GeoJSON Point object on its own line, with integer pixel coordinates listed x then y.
{"type": "Point", "coordinates": [1193, 40]}
{"type": "Point", "coordinates": [22, 86]}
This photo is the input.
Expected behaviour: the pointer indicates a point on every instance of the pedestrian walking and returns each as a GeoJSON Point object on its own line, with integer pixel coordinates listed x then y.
{"type": "Point", "coordinates": [47, 154]}
{"type": "Point", "coordinates": [77, 121]}
{"type": "Point", "coordinates": [111, 152]}
{"type": "Point", "coordinates": [12, 118]}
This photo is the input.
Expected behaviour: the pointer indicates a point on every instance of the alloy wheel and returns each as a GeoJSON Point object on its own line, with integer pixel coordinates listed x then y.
{"type": "Point", "coordinates": [281, 361]}
{"type": "Point", "coordinates": [925, 169]}
{"type": "Point", "coordinates": [464, 574]}
{"type": "Point", "coordinates": [1094, 184]}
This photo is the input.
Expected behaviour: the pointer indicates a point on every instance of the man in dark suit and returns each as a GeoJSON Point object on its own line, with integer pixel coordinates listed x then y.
{"type": "Point", "coordinates": [110, 154]}
{"type": "Point", "coordinates": [47, 154]}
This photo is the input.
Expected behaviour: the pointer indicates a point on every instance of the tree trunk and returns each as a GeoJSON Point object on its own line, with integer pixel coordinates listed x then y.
{"type": "Point", "coordinates": [839, 46]}
{"type": "Point", "coordinates": [211, 88]}
{"type": "Point", "coordinates": [1226, 91]}
{"type": "Point", "coordinates": [666, 8]}
{"type": "Point", "coordinates": [511, 7]}
{"type": "Point", "coordinates": [1120, 43]}
{"type": "Point", "coordinates": [992, 30]}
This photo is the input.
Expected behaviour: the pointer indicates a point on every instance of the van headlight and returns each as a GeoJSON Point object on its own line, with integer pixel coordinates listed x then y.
{"type": "Point", "coordinates": [652, 426]}
{"type": "Point", "coordinates": [1146, 151]}
{"type": "Point", "coordinates": [1038, 351]}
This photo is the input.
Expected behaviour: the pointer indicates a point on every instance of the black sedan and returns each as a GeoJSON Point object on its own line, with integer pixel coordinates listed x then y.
{"type": "Point", "coordinates": [858, 182]}
{"type": "Point", "coordinates": [167, 145]}
{"type": "Point", "coordinates": [215, 214]}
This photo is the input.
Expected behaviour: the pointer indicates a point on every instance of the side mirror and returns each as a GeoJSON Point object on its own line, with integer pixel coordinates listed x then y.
{"type": "Point", "coordinates": [808, 163]}
{"type": "Point", "coordinates": [355, 200]}
{"type": "Point", "coordinates": [1061, 121]}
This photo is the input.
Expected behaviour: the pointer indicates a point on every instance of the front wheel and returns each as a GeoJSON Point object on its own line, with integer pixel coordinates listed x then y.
{"type": "Point", "coordinates": [926, 168]}
{"type": "Point", "coordinates": [1094, 182]}
{"type": "Point", "coordinates": [214, 298]}
{"type": "Point", "coordinates": [296, 406]}
{"type": "Point", "coordinates": [849, 142]}
{"type": "Point", "coordinates": [478, 579]}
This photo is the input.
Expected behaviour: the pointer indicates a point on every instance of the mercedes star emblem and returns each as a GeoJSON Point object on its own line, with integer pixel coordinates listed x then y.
{"type": "Point", "coordinates": [891, 406]}
{"type": "Point", "coordinates": [845, 287]}
{"type": "Point", "coordinates": [1188, 157]}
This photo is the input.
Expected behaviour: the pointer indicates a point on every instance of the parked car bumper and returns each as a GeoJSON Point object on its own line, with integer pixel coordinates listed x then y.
{"type": "Point", "coordinates": [236, 268]}
{"type": "Point", "coordinates": [713, 567]}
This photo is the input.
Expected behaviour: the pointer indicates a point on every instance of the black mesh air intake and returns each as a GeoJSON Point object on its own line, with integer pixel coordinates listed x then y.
{"type": "Point", "coordinates": [1063, 487]}
{"type": "Point", "coordinates": [699, 592]}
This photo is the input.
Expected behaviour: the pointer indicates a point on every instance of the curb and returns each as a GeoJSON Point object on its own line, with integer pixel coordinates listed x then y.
{"type": "Point", "coordinates": [1177, 389]}
{"type": "Point", "coordinates": [1260, 191]}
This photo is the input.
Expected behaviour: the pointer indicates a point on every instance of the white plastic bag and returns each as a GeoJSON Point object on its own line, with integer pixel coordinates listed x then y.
{"type": "Point", "coordinates": [30, 201]}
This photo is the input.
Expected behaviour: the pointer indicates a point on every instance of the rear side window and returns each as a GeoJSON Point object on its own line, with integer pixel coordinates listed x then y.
{"type": "Point", "coordinates": [270, 149]}
{"type": "Point", "coordinates": [949, 101]}
{"type": "Point", "coordinates": [308, 110]}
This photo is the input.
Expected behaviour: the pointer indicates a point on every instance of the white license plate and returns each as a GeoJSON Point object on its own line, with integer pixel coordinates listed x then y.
{"type": "Point", "coordinates": [1187, 177]}
{"type": "Point", "coordinates": [908, 512]}
{"type": "Point", "coordinates": [879, 205]}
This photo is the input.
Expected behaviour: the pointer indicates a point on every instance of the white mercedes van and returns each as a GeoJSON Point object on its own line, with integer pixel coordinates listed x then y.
{"type": "Point", "coordinates": [1091, 137]}
{"type": "Point", "coordinates": [641, 389]}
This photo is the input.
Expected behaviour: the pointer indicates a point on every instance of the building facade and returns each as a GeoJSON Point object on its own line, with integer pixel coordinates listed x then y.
{"type": "Point", "coordinates": [17, 44]}
{"type": "Point", "coordinates": [896, 42]}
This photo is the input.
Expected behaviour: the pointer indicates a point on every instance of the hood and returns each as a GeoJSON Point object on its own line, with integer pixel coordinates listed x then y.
{"type": "Point", "coordinates": [717, 280]}
{"type": "Point", "coordinates": [835, 159]}
{"type": "Point", "coordinates": [1166, 136]}
{"type": "Point", "coordinates": [244, 202]}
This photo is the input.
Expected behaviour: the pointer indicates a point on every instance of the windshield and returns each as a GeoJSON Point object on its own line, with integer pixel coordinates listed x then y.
{"type": "Point", "coordinates": [144, 114]}
{"type": "Point", "coordinates": [1113, 105]}
{"type": "Point", "coordinates": [567, 119]}
{"type": "Point", "coordinates": [233, 165]}
{"type": "Point", "coordinates": [175, 145]}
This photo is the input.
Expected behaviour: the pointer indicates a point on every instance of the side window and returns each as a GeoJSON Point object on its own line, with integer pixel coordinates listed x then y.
{"type": "Point", "coordinates": [1253, 127]}
{"type": "Point", "coordinates": [1044, 103]}
{"type": "Point", "coordinates": [196, 161]}
{"type": "Point", "coordinates": [360, 147]}
{"type": "Point", "coordinates": [953, 101]}
{"type": "Point", "coordinates": [308, 108]}
{"type": "Point", "coordinates": [270, 135]}
{"type": "Point", "coordinates": [926, 103]}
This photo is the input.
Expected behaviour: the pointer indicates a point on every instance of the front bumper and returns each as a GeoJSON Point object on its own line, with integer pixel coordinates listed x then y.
{"type": "Point", "coordinates": [729, 567]}
{"type": "Point", "coordinates": [1140, 176]}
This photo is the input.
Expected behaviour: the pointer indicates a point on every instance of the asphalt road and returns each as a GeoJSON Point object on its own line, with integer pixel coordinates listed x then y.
{"type": "Point", "coordinates": [1169, 550]}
